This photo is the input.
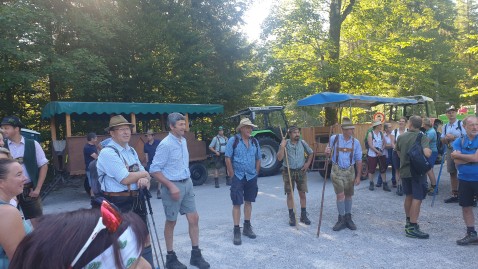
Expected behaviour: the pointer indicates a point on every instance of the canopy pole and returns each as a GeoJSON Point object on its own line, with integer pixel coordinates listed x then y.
{"type": "Point", "coordinates": [133, 121]}
{"type": "Point", "coordinates": [68, 125]}
{"type": "Point", "coordinates": [53, 128]}
{"type": "Point", "coordinates": [187, 121]}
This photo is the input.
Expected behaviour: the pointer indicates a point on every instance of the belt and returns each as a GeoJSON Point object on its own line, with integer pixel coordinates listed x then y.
{"type": "Point", "coordinates": [123, 193]}
{"type": "Point", "coordinates": [19, 159]}
{"type": "Point", "coordinates": [344, 149]}
{"type": "Point", "coordinates": [181, 180]}
{"type": "Point", "coordinates": [28, 185]}
{"type": "Point", "coordinates": [292, 169]}
{"type": "Point", "coordinates": [344, 169]}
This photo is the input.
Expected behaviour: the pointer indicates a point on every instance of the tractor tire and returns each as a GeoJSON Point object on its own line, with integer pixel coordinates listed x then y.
{"type": "Point", "coordinates": [198, 173]}
{"type": "Point", "coordinates": [270, 165]}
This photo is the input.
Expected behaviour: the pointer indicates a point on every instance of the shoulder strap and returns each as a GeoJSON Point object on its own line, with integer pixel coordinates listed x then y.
{"type": "Point", "coordinates": [444, 129]}
{"type": "Point", "coordinates": [395, 133]}
{"type": "Point", "coordinates": [459, 125]}
{"type": "Point", "coordinates": [117, 152]}
{"type": "Point", "coordinates": [336, 145]}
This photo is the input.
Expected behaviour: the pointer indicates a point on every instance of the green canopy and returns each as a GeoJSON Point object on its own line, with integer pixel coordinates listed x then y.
{"type": "Point", "coordinates": [108, 108]}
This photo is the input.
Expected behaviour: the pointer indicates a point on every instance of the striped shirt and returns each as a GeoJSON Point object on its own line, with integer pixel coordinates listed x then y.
{"type": "Point", "coordinates": [17, 151]}
{"type": "Point", "coordinates": [244, 159]}
{"type": "Point", "coordinates": [172, 158]}
{"type": "Point", "coordinates": [116, 167]}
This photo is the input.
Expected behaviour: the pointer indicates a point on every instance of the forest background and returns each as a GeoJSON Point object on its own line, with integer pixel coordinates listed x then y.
{"type": "Point", "coordinates": [193, 51]}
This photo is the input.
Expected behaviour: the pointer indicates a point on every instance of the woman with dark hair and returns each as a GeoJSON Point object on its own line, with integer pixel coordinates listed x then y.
{"type": "Point", "coordinates": [12, 230]}
{"type": "Point", "coordinates": [85, 238]}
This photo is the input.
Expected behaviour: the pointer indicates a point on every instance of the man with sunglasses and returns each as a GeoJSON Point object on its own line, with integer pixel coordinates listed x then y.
{"type": "Point", "coordinates": [465, 156]}
{"type": "Point", "coordinates": [121, 174]}
{"type": "Point", "coordinates": [171, 168]}
{"type": "Point", "coordinates": [451, 131]}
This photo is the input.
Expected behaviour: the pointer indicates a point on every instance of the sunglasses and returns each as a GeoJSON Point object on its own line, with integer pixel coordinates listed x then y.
{"type": "Point", "coordinates": [110, 220]}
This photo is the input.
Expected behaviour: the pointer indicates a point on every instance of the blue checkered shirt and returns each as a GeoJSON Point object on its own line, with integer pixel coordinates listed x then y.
{"type": "Point", "coordinates": [244, 160]}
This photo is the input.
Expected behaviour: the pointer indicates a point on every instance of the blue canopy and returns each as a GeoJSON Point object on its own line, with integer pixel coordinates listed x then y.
{"type": "Point", "coordinates": [331, 99]}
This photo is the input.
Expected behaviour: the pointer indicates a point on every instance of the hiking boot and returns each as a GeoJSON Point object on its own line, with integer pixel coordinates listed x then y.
{"type": "Point", "coordinates": [304, 219]}
{"type": "Point", "coordinates": [247, 231]}
{"type": "Point", "coordinates": [349, 222]}
{"type": "Point", "coordinates": [452, 199]}
{"type": "Point", "coordinates": [413, 231]}
{"type": "Point", "coordinates": [237, 236]}
{"type": "Point", "coordinates": [216, 182]}
{"type": "Point", "coordinates": [292, 219]}
{"type": "Point", "coordinates": [340, 225]}
{"type": "Point", "coordinates": [228, 181]}
{"type": "Point", "coordinates": [371, 186]}
{"type": "Point", "coordinates": [385, 186]}
{"type": "Point", "coordinates": [197, 259]}
{"type": "Point", "coordinates": [173, 263]}
{"type": "Point", "coordinates": [158, 194]}
{"type": "Point", "coordinates": [399, 190]}
{"type": "Point", "coordinates": [470, 239]}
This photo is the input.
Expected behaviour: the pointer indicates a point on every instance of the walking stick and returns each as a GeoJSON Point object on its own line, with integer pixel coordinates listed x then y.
{"type": "Point", "coordinates": [325, 180]}
{"type": "Point", "coordinates": [144, 193]}
{"type": "Point", "coordinates": [438, 178]}
{"type": "Point", "coordinates": [290, 180]}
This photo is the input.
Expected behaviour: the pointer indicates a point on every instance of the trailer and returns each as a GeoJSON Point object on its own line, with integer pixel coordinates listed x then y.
{"type": "Point", "coordinates": [71, 121]}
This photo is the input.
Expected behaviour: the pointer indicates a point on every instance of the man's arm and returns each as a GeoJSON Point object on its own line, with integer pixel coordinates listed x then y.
{"type": "Point", "coordinates": [258, 166]}
{"type": "Point", "coordinates": [41, 180]}
{"type": "Point", "coordinates": [230, 170]}
{"type": "Point", "coordinates": [281, 152]}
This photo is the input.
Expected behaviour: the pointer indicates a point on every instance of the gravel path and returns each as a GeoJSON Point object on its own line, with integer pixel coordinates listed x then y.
{"type": "Point", "coordinates": [379, 241]}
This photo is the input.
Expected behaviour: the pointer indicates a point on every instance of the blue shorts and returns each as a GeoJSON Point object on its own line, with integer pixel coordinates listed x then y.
{"type": "Point", "coordinates": [433, 158]}
{"type": "Point", "coordinates": [415, 186]}
{"type": "Point", "coordinates": [243, 190]}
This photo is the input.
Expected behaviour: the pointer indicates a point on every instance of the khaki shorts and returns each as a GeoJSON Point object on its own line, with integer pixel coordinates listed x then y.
{"type": "Point", "coordinates": [186, 203]}
{"type": "Point", "coordinates": [450, 164]}
{"type": "Point", "coordinates": [298, 177]}
{"type": "Point", "coordinates": [343, 179]}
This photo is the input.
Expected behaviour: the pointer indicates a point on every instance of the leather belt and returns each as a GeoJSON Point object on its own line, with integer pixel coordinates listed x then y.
{"type": "Point", "coordinates": [344, 149]}
{"type": "Point", "coordinates": [181, 180]}
{"type": "Point", "coordinates": [123, 193]}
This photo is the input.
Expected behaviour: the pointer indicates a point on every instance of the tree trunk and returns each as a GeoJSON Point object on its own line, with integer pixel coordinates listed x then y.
{"type": "Point", "coordinates": [333, 81]}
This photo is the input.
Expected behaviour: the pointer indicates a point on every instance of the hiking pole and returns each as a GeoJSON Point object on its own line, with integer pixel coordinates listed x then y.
{"type": "Point", "coordinates": [144, 193]}
{"type": "Point", "coordinates": [438, 178]}
{"type": "Point", "coordinates": [325, 180]}
{"type": "Point", "coordinates": [290, 179]}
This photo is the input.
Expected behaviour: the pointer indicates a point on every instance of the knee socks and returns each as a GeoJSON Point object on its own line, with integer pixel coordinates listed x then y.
{"type": "Point", "coordinates": [147, 254]}
{"type": "Point", "coordinates": [348, 206]}
{"type": "Point", "coordinates": [341, 207]}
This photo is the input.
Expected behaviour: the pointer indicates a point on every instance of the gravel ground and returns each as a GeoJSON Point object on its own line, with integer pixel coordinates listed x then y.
{"type": "Point", "coordinates": [379, 241]}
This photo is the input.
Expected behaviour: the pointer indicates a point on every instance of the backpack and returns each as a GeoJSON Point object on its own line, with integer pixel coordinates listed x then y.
{"type": "Point", "coordinates": [365, 141]}
{"type": "Point", "coordinates": [440, 145]}
{"type": "Point", "coordinates": [95, 178]}
{"type": "Point", "coordinates": [419, 164]}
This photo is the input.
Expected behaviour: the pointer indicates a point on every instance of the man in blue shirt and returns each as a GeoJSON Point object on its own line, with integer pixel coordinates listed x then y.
{"type": "Point", "coordinates": [465, 155]}
{"type": "Point", "coordinates": [149, 152]}
{"type": "Point", "coordinates": [243, 161]}
{"type": "Point", "coordinates": [90, 153]}
{"type": "Point", "coordinates": [346, 153]}
{"type": "Point", "coordinates": [171, 168]}
{"type": "Point", "coordinates": [122, 174]}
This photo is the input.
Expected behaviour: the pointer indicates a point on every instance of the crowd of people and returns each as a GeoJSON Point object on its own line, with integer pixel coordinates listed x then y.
{"type": "Point", "coordinates": [115, 233]}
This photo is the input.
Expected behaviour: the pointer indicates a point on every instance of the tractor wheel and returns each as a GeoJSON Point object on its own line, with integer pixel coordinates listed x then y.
{"type": "Point", "coordinates": [270, 165]}
{"type": "Point", "coordinates": [198, 173]}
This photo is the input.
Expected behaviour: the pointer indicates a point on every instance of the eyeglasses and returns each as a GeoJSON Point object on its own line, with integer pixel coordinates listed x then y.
{"type": "Point", "coordinates": [110, 219]}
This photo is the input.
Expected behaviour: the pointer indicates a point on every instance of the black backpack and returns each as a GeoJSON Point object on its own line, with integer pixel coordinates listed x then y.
{"type": "Point", "coordinates": [440, 145]}
{"type": "Point", "coordinates": [236, 142]}
{"type": "Point", "coordinates": [419, 164]}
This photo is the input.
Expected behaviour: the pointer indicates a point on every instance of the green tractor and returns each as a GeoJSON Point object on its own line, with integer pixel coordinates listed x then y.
{"type": "Point", "coordinates": [268, 119]}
